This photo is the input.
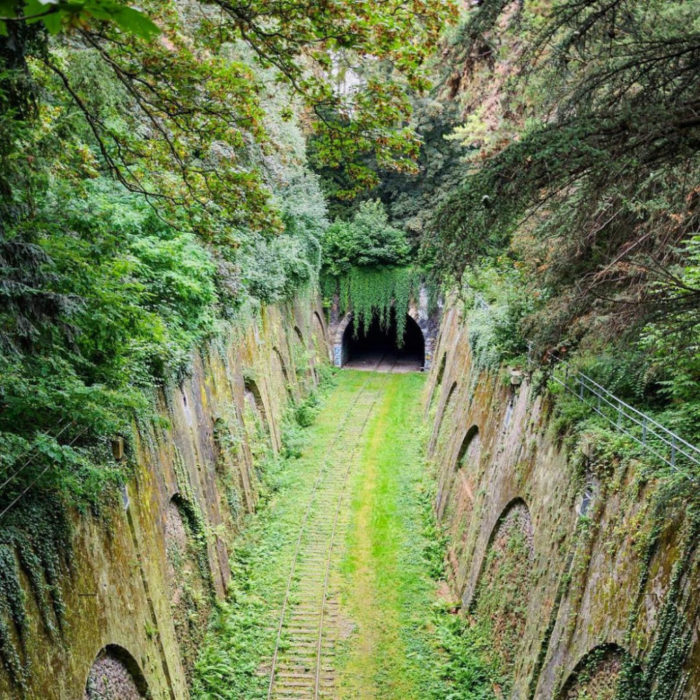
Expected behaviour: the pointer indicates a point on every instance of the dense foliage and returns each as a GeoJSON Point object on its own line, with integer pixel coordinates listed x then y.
{"type": "Point", "coordinates": [578, 209]}
{"type": "Point", "coordinates": [189, 102]}
{"type": "Point", "coordinates": [154, 193]}
{"type": "Point", "coordinates": [151, 190]}
{"type": "Point", "coordinates": [366, 271]}
{"type": "Point", "coordinates": [102, 300]}
{"type": "Point", "coordinates": [367, 241]}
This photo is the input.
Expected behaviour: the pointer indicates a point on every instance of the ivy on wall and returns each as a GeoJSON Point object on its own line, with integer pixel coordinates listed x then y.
{"type": "Point", "coordinates": [35, 540]}
{"type": "Point", "coordinates": [366, 267]}
{"type": "Point", "coordinates": [370, 292]}
{"type": "Point", "coordinates": [659, 672]}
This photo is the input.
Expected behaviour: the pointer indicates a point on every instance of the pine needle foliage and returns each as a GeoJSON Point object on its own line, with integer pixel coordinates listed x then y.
{"type": "Point", "coordinates": [597, 197]}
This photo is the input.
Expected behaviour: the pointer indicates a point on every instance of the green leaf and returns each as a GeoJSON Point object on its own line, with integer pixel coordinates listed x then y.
{"type": "Point", "coordinates": [8, 8]}
{"type": "Point", "coordinates": [53, 22]}
{"type": "Point", "coordinates": [136, 23]}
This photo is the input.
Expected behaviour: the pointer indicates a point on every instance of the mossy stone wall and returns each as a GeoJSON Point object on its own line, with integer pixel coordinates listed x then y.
{"type": "Point", "coordinates": [595, 581]}
{"type": "Point", "coordinates": [117, 591]}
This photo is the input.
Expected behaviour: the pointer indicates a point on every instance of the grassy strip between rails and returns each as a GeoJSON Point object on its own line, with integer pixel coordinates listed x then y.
{"type": "Point", "coordinates": [405, 643]}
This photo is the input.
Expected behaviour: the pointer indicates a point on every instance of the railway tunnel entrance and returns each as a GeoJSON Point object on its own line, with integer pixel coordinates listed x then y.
{"type": "Point", "coordinates": [379, 348]}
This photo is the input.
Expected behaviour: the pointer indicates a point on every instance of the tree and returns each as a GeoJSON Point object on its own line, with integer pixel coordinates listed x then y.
{"type": "Point", "coordinates": [597, 197]}
{"type": "Point", "coordinates": [367, 241]}
{"type": "Point", "coordinates": [189, 102]}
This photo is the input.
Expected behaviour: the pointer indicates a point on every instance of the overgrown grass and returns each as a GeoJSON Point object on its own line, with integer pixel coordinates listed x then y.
{"type": "Point", "coordinates": [403, 641]}
{"type": "Point", "coordinates": [407, 643]}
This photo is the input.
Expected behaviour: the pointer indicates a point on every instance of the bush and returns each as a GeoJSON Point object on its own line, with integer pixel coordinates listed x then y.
{"type": "Point", "coordinates": [367, 241]}
{"type": "Point", "coordinates": [306, 413]}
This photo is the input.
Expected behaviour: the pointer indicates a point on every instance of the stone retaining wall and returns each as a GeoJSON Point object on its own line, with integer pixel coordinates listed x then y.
{"type": "Point", "coordinates": [590, 588]}
{"type": "Point", "coordinates": [122, 606]}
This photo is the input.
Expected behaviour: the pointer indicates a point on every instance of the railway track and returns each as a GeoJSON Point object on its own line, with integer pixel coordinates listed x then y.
{"type": "Point", "coordinates": [303, 662]}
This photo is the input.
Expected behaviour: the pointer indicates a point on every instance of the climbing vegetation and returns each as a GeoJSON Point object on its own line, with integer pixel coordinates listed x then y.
{"type": "Point", "coordinates": [379, 292]}
{"type": "Point", "coordinates": [660, 671]}
{"type": "Point", "coordinates": [34, 540]}
{"type": "Point", "coordinates": [502, 594]}
{"type": "Point", "coordinates": [365, 267]}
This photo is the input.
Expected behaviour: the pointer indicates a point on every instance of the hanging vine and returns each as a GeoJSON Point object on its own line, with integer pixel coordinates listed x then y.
{"type": "Point", "coordinates": [373, 292]}
{"type": "Point", "coordinates": [35, 539]}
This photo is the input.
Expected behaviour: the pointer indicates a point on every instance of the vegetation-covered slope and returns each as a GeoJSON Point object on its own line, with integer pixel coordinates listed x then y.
{"type": "Point", "coordinates": [578, 208]}
{"type": "Point", "coordinates": [154, 188]}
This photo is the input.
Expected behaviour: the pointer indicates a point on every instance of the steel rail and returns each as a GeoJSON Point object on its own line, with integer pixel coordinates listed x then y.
{"type": "Point", "coordinates": [324, 598]}
{"type": "Point", "coordinates": [317, 482]}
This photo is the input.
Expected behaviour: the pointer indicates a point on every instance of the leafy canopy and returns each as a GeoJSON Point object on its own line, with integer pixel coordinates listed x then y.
{"type": "Point", "coordinates": [597, 197]}
{"type": "Point", "coordinates": [188, 103]}
{"type": "Point", "coordinates": [57, 15]}
{"type": "Point", "coordinates": [366, 241]}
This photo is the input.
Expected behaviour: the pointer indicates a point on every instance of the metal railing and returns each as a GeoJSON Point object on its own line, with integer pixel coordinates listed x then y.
{"type": "Point", "coordinates": [658, 440]}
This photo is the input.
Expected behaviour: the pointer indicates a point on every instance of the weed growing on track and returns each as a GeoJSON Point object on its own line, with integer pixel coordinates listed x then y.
{"type": "Point", "coordinates": [242, 631]}
{"type": "Point", "coordinates": [405, 644]}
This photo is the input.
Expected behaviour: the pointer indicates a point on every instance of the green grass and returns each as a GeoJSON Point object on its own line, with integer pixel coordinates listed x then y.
{"type": "Point", "coordinates": [386, 589]}
{"type": "Point", "coordinates": [401, 641]}
{"type": "Point", "coordinates": [405, 643]}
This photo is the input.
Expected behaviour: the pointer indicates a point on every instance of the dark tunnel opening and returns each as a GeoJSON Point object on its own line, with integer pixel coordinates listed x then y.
{"type": "Point", "coordinates": [378, 348]}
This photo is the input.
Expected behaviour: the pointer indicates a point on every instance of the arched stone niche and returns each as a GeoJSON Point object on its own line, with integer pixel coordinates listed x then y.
{"type": "Point", "coordinates": [320, 337]}
{"type": "Point", "coordinates": [254, 414]}
{"type": "Point", "coordinates": [283, 374]}
{"type": "Point", "coordinates": [441, 371]}
{"type": "Point", "coordinates": [438, 383]}
{"type": "Point", "coordinates": [456, 488]}
{"type": "Point", "coordinates": [189, 585]}
{"type": "Point", "coordinates": [457, 501]}
{"type": "Point", "coordinates": [596, 675]}
{"type": "Point", "coordinates": [504, 584]}
{"type": "Point", "coordinates": [303, 359]}
{"type": "Point", "coordinates": [115, 675]}
{"type": "Point", "coordinates": [442, 410]}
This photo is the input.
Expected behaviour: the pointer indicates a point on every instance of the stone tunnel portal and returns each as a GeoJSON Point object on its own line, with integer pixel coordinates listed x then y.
{"type": "Point", "coordinates": [378, 348]}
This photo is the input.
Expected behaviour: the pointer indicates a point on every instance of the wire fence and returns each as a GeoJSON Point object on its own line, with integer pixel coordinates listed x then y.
{"type": "Point", "coordinates": [33, 456]}
{"type": "Point", "coordinates": [655, 438]}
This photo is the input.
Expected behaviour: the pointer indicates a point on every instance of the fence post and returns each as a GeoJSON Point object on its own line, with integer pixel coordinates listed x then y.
{"type": "Point", "coordinates": [673, 450]}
